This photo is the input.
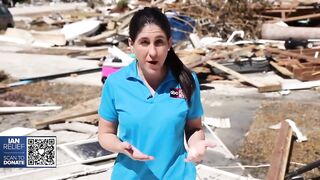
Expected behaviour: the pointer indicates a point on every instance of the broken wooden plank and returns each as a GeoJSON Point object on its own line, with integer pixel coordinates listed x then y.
{"type": "Point", "coordinates": [75, 126]}
{"type": "Point", "coordinates": [195, 40]}
{"type": "Point", "coordinates": [261, 86]}
{"type": "Point", "coordinates": [190, 59]}
{"type": "Point", "coordinates": [307, 73]}
{"type": "Point", "coordinates": [119, 18]}
{"type": "Point", "coordinates": [7, 110]}
{"type": "Point", "coordinates": [92, 119]}
{"type": "Point", "coordinates": [44, 123]}
{"type": "Point", "coordinates": [280, 154]}
{"type": "Point", "coordinates": [84, 109]}
{"type": "Point", "coordinates": [297, 18]}
{"type": "Point", "coordinates": [294, 55]}
{"type": "Point", "coordinates": [99, 37]}
{"type": "Point", "coordinates": [282, 70]}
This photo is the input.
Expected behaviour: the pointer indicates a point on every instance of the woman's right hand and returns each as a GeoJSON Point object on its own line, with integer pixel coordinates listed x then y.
{"type": "Point", "coordinates": [134, 153]}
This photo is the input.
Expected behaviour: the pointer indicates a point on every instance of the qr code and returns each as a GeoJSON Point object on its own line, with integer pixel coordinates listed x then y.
{"type": "Point", "coordinates": [41, 152]}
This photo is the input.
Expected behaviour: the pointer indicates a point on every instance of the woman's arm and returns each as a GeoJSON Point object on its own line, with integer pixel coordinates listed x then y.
{"type": "Point", "coordinates": [196, 140]}
{"type": "Point", "coordinates": [194, 131]}
{"type": "Point", "coordinates": [107, 135]}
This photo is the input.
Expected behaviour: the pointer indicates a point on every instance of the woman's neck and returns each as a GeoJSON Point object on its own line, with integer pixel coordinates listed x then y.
{"type": "Point", "coordinates": [153, 81]}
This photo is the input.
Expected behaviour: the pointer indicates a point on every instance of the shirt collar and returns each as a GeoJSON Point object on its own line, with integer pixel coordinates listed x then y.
{"type": "Point", "coordinates": [133, 72]}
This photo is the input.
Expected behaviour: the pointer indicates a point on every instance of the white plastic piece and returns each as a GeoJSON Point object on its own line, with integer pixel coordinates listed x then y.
{"type": "Point", "coordinates": [300, 136]}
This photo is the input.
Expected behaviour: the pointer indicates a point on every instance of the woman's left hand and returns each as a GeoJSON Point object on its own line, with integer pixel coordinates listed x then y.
{"type": "Point", "coordinates": [197, 151]}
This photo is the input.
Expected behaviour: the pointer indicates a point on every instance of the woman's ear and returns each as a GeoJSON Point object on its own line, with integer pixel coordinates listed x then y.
{"type": "Point", "coordinates": [170, 43]}
{"type": "Point", "coordinates": [130, 43]}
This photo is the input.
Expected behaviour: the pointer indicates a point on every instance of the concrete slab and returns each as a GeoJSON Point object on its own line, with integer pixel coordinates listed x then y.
{"type": "Point", "coordinates": [32, 65]}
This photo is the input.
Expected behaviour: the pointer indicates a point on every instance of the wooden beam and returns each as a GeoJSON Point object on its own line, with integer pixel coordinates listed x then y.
{"type": "Point", "coordinates": [84, 109]}
{"type": "Point", "coordinates": [281, 69]}
{"type": "Point", "coordinates": [261, 86]}
{"type": "Point", "coordinates": [310, 16]}
{"type": "Point", "coordinates": [280, 154]}
{"type": "Point", "coordinates": [6, 110]}
{"type": "Point", "coordinates": [99, 37]}
{"type": "Point", "coordinates": [307, 73]}
{"type": "Point", "coordinates": [295, 55]}
{"type": "Point", "coordinates": [51, 120]}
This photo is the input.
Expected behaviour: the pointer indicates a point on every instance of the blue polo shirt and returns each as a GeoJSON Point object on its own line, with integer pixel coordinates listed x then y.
{"type": "Point", "coordinates": [153, 124]}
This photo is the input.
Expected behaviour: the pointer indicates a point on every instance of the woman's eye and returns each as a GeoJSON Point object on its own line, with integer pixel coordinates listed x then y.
{"type": "Point", "coordinates": [159, 42]}
{"type": "Point", "coordinates": [144, 43]}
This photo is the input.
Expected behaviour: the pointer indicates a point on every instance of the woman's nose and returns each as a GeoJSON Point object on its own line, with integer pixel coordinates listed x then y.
{"type": "Point", "coordinates": [152, 51]}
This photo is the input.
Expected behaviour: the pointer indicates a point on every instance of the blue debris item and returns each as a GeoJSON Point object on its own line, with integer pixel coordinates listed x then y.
{"type": "Point", "coordinates": [181, 26]}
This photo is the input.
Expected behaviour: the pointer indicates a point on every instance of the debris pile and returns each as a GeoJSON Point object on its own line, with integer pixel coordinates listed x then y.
{"type": "Point", "coordinates": [219, 40]}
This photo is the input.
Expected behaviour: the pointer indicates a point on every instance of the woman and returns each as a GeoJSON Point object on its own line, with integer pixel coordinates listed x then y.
{"type": "Point", "coordinates": [153, 102]}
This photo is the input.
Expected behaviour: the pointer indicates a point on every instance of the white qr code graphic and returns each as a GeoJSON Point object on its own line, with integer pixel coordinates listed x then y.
{"type": "Point", "coordinates": [41, 151]}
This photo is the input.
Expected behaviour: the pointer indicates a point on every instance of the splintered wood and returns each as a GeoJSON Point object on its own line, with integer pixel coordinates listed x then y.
{"type": "Point", "coordinates": [300, 66]}
{"type": "Point", "coordinates": [280, 154]}
{"type": "Point", "coordinates": [88, 108]}
{"type": "Point", "coordinates": [262, 87]}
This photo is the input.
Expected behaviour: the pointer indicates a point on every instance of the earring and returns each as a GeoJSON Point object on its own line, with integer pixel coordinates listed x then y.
{"type": "Point", "coordinates": [169, 49]}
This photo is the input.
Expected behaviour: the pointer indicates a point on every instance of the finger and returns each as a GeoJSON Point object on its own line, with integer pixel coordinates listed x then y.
{"type": "Point", "coordinates": [189, 159]}
{"type": "Point", "coordinates": [138, 154]}
{"type": "Point", "coordinates": [192, 159]}
{"type": "Point", "coordinates": [148, 158]}
{"type": "Point", "coordinates": [192, 153]}
{"type": "Point", "coordinates": [127, 146]}
{"type": "Point", "coordinates": [209, 144]}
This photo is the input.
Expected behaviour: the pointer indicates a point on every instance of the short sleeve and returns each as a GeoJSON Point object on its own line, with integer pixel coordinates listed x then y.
{"type": "Point", "coordinates": [107, 108]}
{"type": "Point", "coordinates": [196, 109]}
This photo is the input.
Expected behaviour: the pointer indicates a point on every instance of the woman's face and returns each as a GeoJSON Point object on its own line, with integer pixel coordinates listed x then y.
{"type": "Point", "coordinates": [151, 48]}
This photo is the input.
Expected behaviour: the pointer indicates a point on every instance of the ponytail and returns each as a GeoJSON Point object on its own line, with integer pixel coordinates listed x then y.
{"type": "Point", "coordinates": [182, 74]}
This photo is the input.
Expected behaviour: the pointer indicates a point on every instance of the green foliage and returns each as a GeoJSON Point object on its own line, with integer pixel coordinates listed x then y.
{"type": "Point", "coordinates": [122, 4]}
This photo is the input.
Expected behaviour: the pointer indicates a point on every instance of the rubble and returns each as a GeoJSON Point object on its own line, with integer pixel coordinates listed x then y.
{"type": "Point", "coordinates": [238, 44]}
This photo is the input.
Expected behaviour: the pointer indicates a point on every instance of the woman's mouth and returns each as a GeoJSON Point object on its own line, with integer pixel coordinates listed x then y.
{"type": "Point", "coordinates": [153, 62]}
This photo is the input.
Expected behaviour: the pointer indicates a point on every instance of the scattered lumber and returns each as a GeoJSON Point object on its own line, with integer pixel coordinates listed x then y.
{"type": "Point", "coordinates": [297, 65]}
{"type": "Point", "coordinates": [282, 70]}
{"type": "Point", "coordinates": [280, 154]}
{"type": "Point", "coordinates": [303, 169]}
{"type": "Point", "coordinates": [75, 126]}
{"type": "Point", "coordinates": [92, 119]}
{"type": "Point", "coordinates": [8, 110]}
{"type": "Point", "coordinates": [261, 86]}
{"type": "Point", "coordinates": [84, 109]}
{"type": "Point", "coordinates": [102, 36]}
{"type": "Point", "coordinates": [297, 18]}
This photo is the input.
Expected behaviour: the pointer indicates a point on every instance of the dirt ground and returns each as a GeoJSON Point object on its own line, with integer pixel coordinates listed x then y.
{"type": "Point", "coordinates": [41, 93]}
{"type": "Point", "coordinates": [259, 142]}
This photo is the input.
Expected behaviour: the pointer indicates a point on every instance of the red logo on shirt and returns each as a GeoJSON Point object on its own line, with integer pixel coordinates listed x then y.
{"type": "Point", "coordinates": [176, 93]}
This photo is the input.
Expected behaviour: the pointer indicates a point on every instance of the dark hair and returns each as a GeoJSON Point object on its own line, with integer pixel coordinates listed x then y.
{"type": "Point", "coordinates": [152, 15]}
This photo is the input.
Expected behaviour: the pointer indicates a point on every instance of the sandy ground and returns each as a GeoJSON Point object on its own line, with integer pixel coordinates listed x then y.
{"type": "Point", "coordinates": [260, 141]}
